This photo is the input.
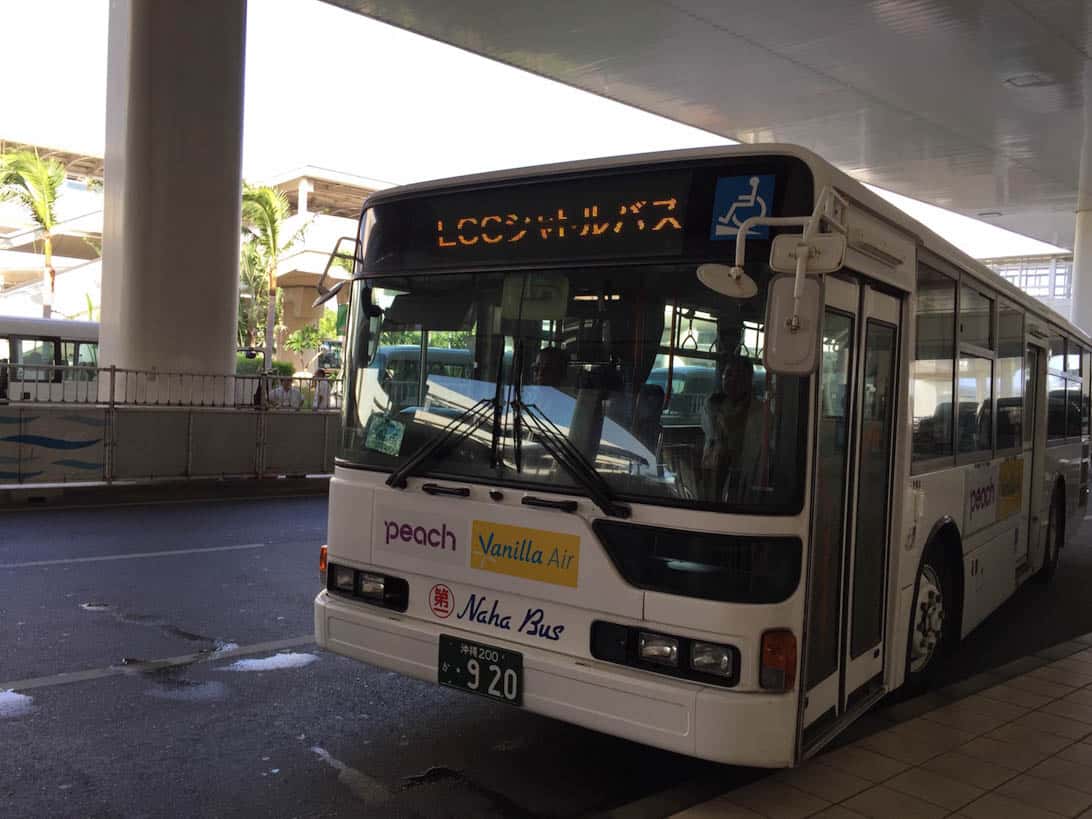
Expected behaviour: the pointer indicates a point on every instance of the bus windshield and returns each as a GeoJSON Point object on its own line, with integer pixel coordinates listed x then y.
{"type": "Point", "coordinates": [653, 378]}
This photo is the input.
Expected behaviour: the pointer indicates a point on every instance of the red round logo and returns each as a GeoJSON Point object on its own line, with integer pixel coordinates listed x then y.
{"type": "Point", "coordinates": [441, 600]}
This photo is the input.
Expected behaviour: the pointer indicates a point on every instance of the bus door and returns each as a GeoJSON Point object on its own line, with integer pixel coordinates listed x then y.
{"type": "Point", "coordinates": [1035, 422]}
{"type": "Point", "coordinates": [849, 547]}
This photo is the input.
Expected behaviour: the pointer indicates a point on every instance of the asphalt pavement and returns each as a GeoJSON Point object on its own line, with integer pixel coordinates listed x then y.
{"type": "Point", "coordinates": [163, 659]}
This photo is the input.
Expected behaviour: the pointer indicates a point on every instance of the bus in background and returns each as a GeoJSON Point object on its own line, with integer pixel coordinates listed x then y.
{"type": "Point", "coordinates": [49, 359]}
{"type": "Point", "coordinates": [403, 373]}
{"type": "Point", "coordinates": [329, 356]}
{"type": "Point", "coordinates": [733, 447]}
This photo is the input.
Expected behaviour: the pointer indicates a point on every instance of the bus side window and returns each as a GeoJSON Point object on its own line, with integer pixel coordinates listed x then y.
{"type": "Point", "coordinates": [5, 359]}
{"type": "Point", "coordinates": [1010, 377]}
{"type": "Point", "coordinates": [88, 355]}
{"type": "Point", "coordinates": [1055, 406]}
{"type": "Point", "coordinates": [39, 354]}
{"type": "Point", "coordinates": [934, 365]}
{"type": "Point", "coordinates": [1085, 366]}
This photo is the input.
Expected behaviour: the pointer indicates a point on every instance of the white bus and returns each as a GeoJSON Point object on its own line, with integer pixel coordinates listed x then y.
{"type": "Point", "coordinates": [886, 441]}
{"type": "Point", "coordinates": [48, 359]}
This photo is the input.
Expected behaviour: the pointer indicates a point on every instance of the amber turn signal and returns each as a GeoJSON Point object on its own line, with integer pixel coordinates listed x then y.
{"type": "Point", "coordinates": [778, 669]}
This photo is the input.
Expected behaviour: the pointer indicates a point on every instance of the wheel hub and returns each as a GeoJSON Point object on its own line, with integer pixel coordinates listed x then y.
{"type": "Point", "coordinates": [928, 619]}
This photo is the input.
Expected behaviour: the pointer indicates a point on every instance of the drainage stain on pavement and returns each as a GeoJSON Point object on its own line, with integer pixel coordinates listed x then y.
{"type": "Point", "coordinates": [151, 621]}
{"type": "Point", "coordinates": [362, 786]}
{"type": "Point", "coordinates": [183, 690]}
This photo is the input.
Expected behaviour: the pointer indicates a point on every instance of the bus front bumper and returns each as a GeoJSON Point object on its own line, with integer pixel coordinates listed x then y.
{"type": "Point", "coordinates": [685, 717]}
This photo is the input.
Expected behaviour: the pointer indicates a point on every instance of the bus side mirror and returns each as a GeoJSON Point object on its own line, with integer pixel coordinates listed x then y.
{"type": "Point", "coordinates": [792, 327]}
{"type": "Point", "coordinates": [375, 328]}
{"type": "Point", "coordinates": [822, 253]}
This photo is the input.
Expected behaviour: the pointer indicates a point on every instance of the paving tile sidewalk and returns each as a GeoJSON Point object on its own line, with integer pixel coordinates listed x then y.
{"type": "Point", "coordinates": [1012, 743]}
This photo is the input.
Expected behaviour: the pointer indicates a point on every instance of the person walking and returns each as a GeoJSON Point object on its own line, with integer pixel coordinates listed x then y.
{"type": "Point", "coordinates": [321, 400]}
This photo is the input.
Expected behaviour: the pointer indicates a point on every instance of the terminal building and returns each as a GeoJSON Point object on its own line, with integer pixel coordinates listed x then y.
{"type": "Point", "coordinates": [325, 202]}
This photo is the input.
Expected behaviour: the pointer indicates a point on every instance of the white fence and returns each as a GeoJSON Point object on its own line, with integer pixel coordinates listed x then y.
{"type": "Point", "coordinates": [63, 425]}
{"type": "Point", "coordinates": [113, 386]}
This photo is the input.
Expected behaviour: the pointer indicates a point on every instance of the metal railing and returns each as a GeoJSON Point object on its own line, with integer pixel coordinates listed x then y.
{"type": "Point", "coordinates": [25, 383]}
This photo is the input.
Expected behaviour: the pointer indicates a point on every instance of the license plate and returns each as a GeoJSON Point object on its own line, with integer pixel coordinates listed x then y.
{"type": "Point", "coordinates": [480, 669]}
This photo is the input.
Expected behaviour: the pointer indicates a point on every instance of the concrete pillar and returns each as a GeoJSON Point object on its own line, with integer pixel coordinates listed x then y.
{"type": "Point", "coordinates": [1082, 270]}
{"type": "Point", "coordinates": [174, 125]}
{"type": "Point", "coordinates": [1082, 238]}
{"type": "Point", "coordinates": [305, 187]}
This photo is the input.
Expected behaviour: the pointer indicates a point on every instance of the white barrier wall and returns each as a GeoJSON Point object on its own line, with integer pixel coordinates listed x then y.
{"type": "Point", "coordinates": [52, 445]}
{"type": "Point", "coordinates": [64, 444]}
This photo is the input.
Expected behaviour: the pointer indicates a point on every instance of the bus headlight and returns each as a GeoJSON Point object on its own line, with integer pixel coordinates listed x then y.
{"type": "Point", "coordinates": [368, 587]}
{"type": "Point", "coordinates": [709, 658]}
{"type": "Point", "coordinates": [675, 656]}
{"type": "Point", "coordinates": [372, 586]}
{"type": "Point", "coordinates": [342, 579]}
{"type": "Point", "coordinates": [658, 648]}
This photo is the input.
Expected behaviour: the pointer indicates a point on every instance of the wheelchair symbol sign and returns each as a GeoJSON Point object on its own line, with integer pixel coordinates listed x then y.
{"type": "Point", "coordinates": [737, 199]}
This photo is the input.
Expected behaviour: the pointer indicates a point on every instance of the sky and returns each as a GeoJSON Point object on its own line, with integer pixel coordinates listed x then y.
{"type": "Point", "coordinates": [333, 89]}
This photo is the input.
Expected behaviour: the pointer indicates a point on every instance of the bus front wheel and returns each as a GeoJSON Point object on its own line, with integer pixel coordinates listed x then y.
{"type": "Point", "coordinates": [1055, 535]}
{"type": "Point", "coordinates": [933, 606]}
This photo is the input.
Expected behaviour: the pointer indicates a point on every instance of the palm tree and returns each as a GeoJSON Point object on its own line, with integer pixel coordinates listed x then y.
{"type": "Point", "coordinates": [252, 291]}
{"type": "Point", "coordinates": [34, 182]}
{"type": "Point", "coordinates": [264, 212]}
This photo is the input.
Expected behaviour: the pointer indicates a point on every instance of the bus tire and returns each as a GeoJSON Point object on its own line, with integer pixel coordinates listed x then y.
{"type": "Point", "coordinates": [931, 618]}
{"type": "Point", "coordinates": [1055, 537]}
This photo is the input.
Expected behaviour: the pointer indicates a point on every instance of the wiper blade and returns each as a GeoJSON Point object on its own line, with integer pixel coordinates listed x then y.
{"type": "Point", "coordinates": [572, 459]}
{"type": "Point", "coordinates": [450, 434]}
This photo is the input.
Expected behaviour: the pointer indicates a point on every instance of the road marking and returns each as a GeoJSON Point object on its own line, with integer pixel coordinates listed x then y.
{"type": "Point", "coordinates": [133, 556]}
{"type": "Point", "coordinates": [154, 665]}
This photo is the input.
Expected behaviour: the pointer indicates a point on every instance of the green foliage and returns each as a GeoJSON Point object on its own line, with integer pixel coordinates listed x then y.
{"type": "Point", "coordinates": [446, 339]}
{"type": "Point", "coordinates": [247, 366]}
{"type": "Point", "coordinates": [33, 182]}
{"type": "Point", "coordinates": [304, 340]}
{"type": "Point", "coordinates": [327, 326]}
{"type": "Point", "coordinates": [264, 210]}
{"type": "Point", "coordinates": [253, 366]}
{"type": "Point", "coordinates": [253, 293]}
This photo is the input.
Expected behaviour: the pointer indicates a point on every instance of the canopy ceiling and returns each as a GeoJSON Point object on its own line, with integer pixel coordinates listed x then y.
{"type": "Point", "coordinates": [974, 105]}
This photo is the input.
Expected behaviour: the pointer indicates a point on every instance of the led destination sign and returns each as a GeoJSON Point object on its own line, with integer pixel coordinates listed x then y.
{"type": "Point", "coordinates": [642, 214]}
{"type": "Point", "coordinates": [595, 222]}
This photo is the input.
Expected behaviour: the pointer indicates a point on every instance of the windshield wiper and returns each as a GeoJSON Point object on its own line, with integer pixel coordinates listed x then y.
{"type": "Point", "coordinates": [450, 434]}
{"type": "Point", "coordinates": [572, 459]}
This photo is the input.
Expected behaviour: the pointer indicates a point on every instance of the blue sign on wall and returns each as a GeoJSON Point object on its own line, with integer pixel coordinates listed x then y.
{"type": "Point", "coordinates": [737, 199]}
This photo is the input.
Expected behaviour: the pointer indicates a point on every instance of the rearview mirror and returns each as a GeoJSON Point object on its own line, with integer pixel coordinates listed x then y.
{"type": "Point", "coordinates": [375, 330]}
{"type": "Point", "coordinates": [535, 296]}
{"type": "Point", "coordinates": [826, 252]}
{"type": "Point", "coordinates": [792, 329]}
